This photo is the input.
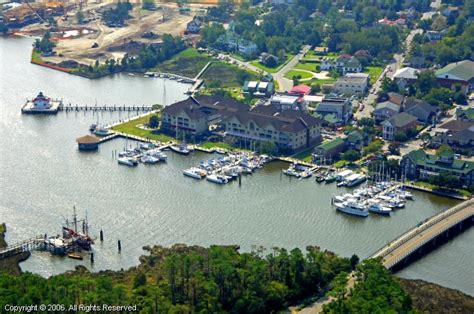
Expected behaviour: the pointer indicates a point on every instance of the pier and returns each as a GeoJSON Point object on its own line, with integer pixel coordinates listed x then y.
{"type": "Point", "coordinates": [68, 108]}
{"type": "Point", "coordinates": [426, 236]}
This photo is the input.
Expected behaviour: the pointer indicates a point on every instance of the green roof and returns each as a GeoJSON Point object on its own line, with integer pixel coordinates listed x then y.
{"type": "Point", "coordinates": [468, 113]}
{"type": "Point", "coordinates": [464, 70]}
{"type": "Point", "coordinates": [421, 158]}
{"type": "Point", "coordinates": [331, 118]}
{"type": "Point", "coordinates": [355, 136]}
{"type": "Point", "coordinates": [327, 146]}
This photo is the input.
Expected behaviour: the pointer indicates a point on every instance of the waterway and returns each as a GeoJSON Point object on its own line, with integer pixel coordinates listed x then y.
{"type": "Point", "coordinates": [42, 175]}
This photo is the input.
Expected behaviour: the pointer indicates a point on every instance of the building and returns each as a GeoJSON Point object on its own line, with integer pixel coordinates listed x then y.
{"type": "Point", "coordinates": [247, 47]}
{"type": "Point", "coordinates": [321, 50]}
{"type": "Point", "coordinates": [88, 142]}
{"type": "Point", "coordinates": [258, 89]}
{"type": "Point", "coordinates": [457, 73]}
{"type": "Point", "coordinates": [193, 116]}
{"type": "Point", "coordinates": [465, 114]}
{"type": "Point", "coordinates": [418, 165]}
{"type": "Point", "coordinates": [423, 111]}
{"type": "Point", "coordinates": [457, 134]}
{"type": "Point", "coordinates": [352, 84]}
{"type": "Point", "coordinates": [289, 130]}
{"type": "Point", "coordinates": [385, 110]}
{"type": "Point", "coordinates": [300, 90]}
{"type": "Point", "coordinates": [401, 122]}
{"type": "Point", "coordinates": [344, 64]}
{"type": "Point", "coordinates": [194, 26]}
{"type": "Point", "coordinates": [396, 98]}
{"type": "Point", "coordinates": [329, 150]}
{"type": "Point", "coordinates": [355, 140]}
{"type": "Point", "coordinates": [405, 76]}
{"type": "Point", "coordinates": [265, 57]}
{"type": "Point", "coordinates": [434, 36]}
{"type": "Point", "coordinates": [232, 42]}
{"type": "Point", "coordinates": [340, 107]}
{"type": "Point", "coordinates": [386, 21]}
{"type": "Point", "coordinates": [288, 101]}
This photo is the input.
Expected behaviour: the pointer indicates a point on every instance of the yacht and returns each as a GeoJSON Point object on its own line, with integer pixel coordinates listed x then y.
{"type": "Point", "coordinates": [101, 131]}
{"type": "Point", "coordinates": [149, 159]}
{"type": "Point", "coordinates": [379, 209]}
{"type": "Point", "coordinates": [355, 179]}
{"type": "Point", "coordinates": [352, 208]}
{"type": "Point", "coordinates": [180, 149]}
{"type": "Point", "coordinates": [330, 178]}
{"type": "Point", "coordinates": [127, 161]}
{"type": "Point", "coordinates": [217, 178]}
{"type": "Point", "coordinates": [195, 173]}
{"type": "Point", "coordinates": [291, 172]}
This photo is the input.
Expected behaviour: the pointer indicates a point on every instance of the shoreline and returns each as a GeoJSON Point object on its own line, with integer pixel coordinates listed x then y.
{"type": "Point", "coordinates": [11, 264]}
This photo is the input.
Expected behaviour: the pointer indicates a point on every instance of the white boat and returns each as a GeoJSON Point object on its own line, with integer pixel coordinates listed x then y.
{"type": "Point", "coordinates": [101, 131]}
{"type": "Point", "coordinates": [355, 179]}
{"type": "Point", "coordinates": [353, 208]}
{"type": "Point", "coordinates": [181, 149]}
{"type": "Point", "coordinates": [291, 172]}
{"type": "Point", "coordinates": [405, 194]}
{"type": "Point", "coordinates": [127, 161]}
{"type": "Point", "coordinates": [379, 209]}
{"type": "Point", "coordinates": [149, 159]}
{"type": "Point", "coordinates": [217, 178]}
{"type": "Point", "coordinates": [194, 173]}
{"type": "Point", "coordinates": [341, 183]}
{"type": "Point", "coordinates": [341, 176]}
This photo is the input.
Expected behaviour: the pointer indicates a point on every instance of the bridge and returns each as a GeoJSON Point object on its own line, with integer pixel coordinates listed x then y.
{"type": "Point", "coordinates": [23, 246]}
{"type": "Point", "coordinates": [427, 235]}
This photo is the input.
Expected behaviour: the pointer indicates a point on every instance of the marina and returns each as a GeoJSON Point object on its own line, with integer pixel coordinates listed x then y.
{"type": "Point", "coordinates": [156, 205]}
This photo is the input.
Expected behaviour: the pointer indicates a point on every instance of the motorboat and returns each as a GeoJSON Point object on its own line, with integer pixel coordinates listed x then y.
{"type": "Point", "coordinates": [75, 255]}
{"type": "Point", "coordinates": [149, 159]}
{"type": "Point", "coordinates": [195, 173]}
{"type": "Point", "coordinates": [355, 179]}
{"type": "Point", "coordinates": [181, 149]}
{"type": "Point", "coordinates": [92, 127]}
{"type": "Point", "coordinates": [291, 172]}
{"type": "Point", "coordinates": [101, 131]}
{"type": "Point", "coordinates": [217, 178]}
{"type": "Point", "coordinates": [127, 161]}
{"type": "Point", "coordinates": [352, 208]}
{"type": "Point", "coordinates": [330, 178]}
{"type": "Point", "coordinates": [379, 209]}
{"type": "Point", "coordinates": [305, 174]}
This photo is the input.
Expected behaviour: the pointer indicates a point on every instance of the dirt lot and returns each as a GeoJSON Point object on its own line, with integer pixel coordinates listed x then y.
{"type": "Point", "coordinates": [80, 49]}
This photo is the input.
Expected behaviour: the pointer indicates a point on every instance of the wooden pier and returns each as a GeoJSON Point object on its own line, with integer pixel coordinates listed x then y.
{"type": "Point", "coordinates": [123, 108]}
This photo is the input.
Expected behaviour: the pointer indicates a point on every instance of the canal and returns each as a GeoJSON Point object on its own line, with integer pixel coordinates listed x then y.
{"type": "Point", "coordinates": [42, 176]}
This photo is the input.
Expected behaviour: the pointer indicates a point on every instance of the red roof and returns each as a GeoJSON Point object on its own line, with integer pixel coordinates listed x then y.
{"type": "Point", "coordinates": [300, 89]}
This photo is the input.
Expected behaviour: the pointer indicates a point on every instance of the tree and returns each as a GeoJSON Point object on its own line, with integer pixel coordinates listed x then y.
{"type": "Point", "coordinates": [400, 136]}
{"type": "Point", "coordinates": [373, 147]}
{"type": "Point", "coordinates": [426, 81]}
{"type": "Point", "coordinates": [351, 155]}
{"type": "Point", "coordinates": [315, 88]}
{"type": "Point", "coordinates": [444, 149]}
{"type": "Point", "coordinates": [354, 261]}
{"type": "Point", "coordinates": [154, 121]}
{"type": "Point", "coordinates": [45, 44]}
{"type": "Point", "coordinates": [148, 4]}
{"type": "Point", "coordinates": [394, 148]}
{"type": "Point", "coordinates": [140, 280]}
{"type": "Point", "coordinates": [389, 85]}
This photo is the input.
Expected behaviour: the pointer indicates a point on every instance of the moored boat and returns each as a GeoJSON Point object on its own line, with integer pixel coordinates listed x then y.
{"type": "Point", "coordinates": [195, 173]}
{"type": "Point", "coordinates": [379, 209]}
{"type": "Point", "coordinates": [75, 255]}
{"type": "Point", "coordinates": [352, 208]}
{"type": "Point", "coordinates": [181, 149]}
{"type": "Point", "coordinates": [217, 178]}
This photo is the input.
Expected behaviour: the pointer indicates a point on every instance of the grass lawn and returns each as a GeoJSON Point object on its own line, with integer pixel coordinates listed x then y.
{"type": "Point", "coordinates": [428, 185]}
{"type": "Point", "coordinates": [305, 155]}
{"type": "Point", "coordinates": [272, 70]}
{"type": "Point", "coordinates": [340, 164]}
{"type": "Point", "coordinates": [238, 57]}
{"type": "Point", "coordinates": [36, 56]}
{"type": "Point", "coordinates": [374, 73]}
{"type": "Point", "coordinates": [223, 74]}
{"type": "Point", "coordinates": [321, 82]}
{"type": "Point", "coordinates": [186, 63]}
{"type": "Point", "coordinates": [209, 145]}
{"type": "Point", "coordinates": [308, 66]}
{"type": "Point", "coordinates": [304, 75]}
{"type": "Point", "coordinates": [130, 127]}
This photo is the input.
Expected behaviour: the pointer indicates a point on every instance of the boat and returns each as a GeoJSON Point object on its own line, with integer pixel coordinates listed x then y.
{"type": "Point", "coordinates": [75, 255]}
{"type": "Point", "coordinates": [341, 176]}
{"type": "Point", "coordinates": [149, 159]}
{"type": "Point", "coordinates": [92, 127]}
{"type": "Point", "coordinates": [305, 174]}
{"type": "Point", "coordinates": [341, 183]}
{"type": "Point", "coordinates": [195, 173]}
{"type": "Point", "coordinates": [217, 178]}
{"type": "Point", "coordinates": [352, 208]}
{"type": "Point", "coordinates": [221, 151]}
{"type": "Point", "coordinates": [291, 172]}
{"type": "Point", "coordinates": [330, 178]}
{"type": "Point", "coordinates": [101, 131]}
{"type": "Point", "coordinates": [180, 149]}
{"type": "Point", "coordinates": [127, 161]}
{"type": "Point", "coordinates": [355, 179]}
{"type": "Point", "coordinates": [379, 209]}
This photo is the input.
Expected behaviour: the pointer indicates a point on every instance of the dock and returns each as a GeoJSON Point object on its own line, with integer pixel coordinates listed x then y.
{"type": "Point", "coordinates": [69, 107]}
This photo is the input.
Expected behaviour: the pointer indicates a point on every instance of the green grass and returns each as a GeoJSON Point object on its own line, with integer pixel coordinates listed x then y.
{"type": "Point", "coordinates": [3, 229]}
{"type": "Point", "coordinates": [36, 56]}
{"type": "Point", "coordinates": [221, 74]}
{"type": "Point", "coordinates": [274, 69]}
{"type": "Point", "coordinates": [238, 57]}
{"type": "Point", "coordinates": [374, 73]}
{"type": "Point", "coordinates": [340, 163]}
{"type": "Point", "coordinates": [187, 63]}
{"type": "Point", "coordinates": [304, 75]}
{"type": "Point", "coordinates": [320, 82]}
{"type": "Point", "coordinates": [305, 155]}
{"type": "Point", "coordinates": [131, 127]}
{"type": "Point", "coordinates": [428, 185]}
{"type": "Point", "coordinates": [308, 66]}
{"type": "Point", "coordinates": [210, 145]}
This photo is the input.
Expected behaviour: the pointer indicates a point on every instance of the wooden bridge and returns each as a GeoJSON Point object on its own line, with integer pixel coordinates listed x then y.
{"type": "Point", "coordinates": [427, 235]}
{"type": "Point", "coordinates": [70, 107]}
{"type": "Point", "coordinates": [23, 246]}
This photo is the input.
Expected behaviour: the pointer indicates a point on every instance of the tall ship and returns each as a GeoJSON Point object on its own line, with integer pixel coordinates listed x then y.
{"type": "Point", "coordinates": [81, 238]}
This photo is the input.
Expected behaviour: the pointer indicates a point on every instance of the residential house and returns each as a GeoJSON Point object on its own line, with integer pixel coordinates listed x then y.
{"type": "Point", "coordinates": [265, 57]}
{"type": "Point", "coordinates": [434, 35]}
{"type": "Point", "coordinates": [401, 122]}
{"type": "Point", "coordinates": [340, 107]}
{"type": "Point", "coordinates": [300, 90]}
{"type": "Point", "coordinates": [418, 165]}
{"type": "Point", "coordinates": [417, 62]}
{"type": "Point", "coordinates": [451, 11]}
{"type": "Point", "coordinates": [258, 89]}
{"type": "Point", "coordinates": [232, 42]}
{"type": "Point", "coordinates": [194, 26]}
{"type": "Point", "coordinates": [405, 77]}
{"type": "Point", "coordinates": [396, 98]}
{"type": "Point", "coordinates": [457, 134]}
{"type": "Point", "coordinates": [329, 151]}
{"type": "Point", "coordinates": [465, 114]}
{"type": "Point", "coordinates": [289, 130]}
{"type": "Point", "coordinates": [352, 84]}
{"type": "Point", "coordinates": [247, 47]}
{"type": "Point", "coordinates": [288, 101]}
{"type": "Point", "coordinates": [355, 140]}
{"type": "Point", "coordinates": [385, 110]}
{"type": "Point", "coordinates": [457, 73]}
{"type": "Point", "coordinates": [321, 50]}
{"type": "Point", "coordinates": [344, 63]}
{"type": "Point", "coordinates": [423, 111]}
{"type": "Point", "coordinates": [386, 21]}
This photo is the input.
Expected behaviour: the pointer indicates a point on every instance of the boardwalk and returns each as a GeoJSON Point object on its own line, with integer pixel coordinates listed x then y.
{"type": "Point", "coordinates": [410, 242]}
{"type": "Point", "coordinates": [23, 246]}
{"type": "Point", "coordinates": [70, 107]}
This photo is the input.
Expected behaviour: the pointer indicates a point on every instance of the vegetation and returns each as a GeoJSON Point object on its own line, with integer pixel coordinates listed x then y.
{"type": "Point", "coordinates": [282, 61]}
{"type": "Point", "coordinates": [373, 147]}
{"type": "Point", "coordinates": [375, 291]}
{"type": "Point", "coordinates": [45, 45]}
{"type": "Point", "coordinates": [221, 74]}
{"type": "Point", "coordinates": [301, 75]}
{"type": "Point", "coordinates": [186, 63]}
{"type": "Point", "coordinates": [136, 127]}
{"type": "Point", "coordinates": [117, 15]}
{"type": "Point", "coordinates": [210, 145]}
{"type": "Point", "coordinates": [188, 279]}
{"type": "Point", "coordinates": [374, 72]}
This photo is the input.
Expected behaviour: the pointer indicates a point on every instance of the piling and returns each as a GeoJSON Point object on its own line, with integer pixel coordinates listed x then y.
{"type": "Point", "coordinates": [119, 246]}
{"type": "Point", "coordinates": [240, 180]}
{"type": "Point", "coordinates": [101, 236]}
{"type": "Point", "coordinates": [92, 258]}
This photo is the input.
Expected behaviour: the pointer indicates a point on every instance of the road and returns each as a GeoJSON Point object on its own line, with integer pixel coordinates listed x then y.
{"type": "Point", "coordinates": [388, 71]}
{"type": "Point", "coordinates": [284, 84]}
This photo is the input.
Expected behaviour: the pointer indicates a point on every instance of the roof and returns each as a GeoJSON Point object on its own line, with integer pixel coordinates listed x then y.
{"type": "Point", "coordinates": [313, 98]}
{"type": "Point", "coordinates": [419, 108]}
{"type": "Point", "coordinates": [330, 145]}
{"type": "Point", "coordinates": [464, 135]}
{"type": "Point", "coordinates": [401, 120]}
{"type": "Point", "coordinates": [351, 79]}
{"type": "Point", "coordinates": [88, 139]}
{"type": "Point", "coordinates": [406, 73]}
{"type": "Point", "coordinates": [396, 98]}
{"type": "Point", "coordinates": [456, 125]}
{"type": "Point", "coordinates": [421, 158]}
{"type": "Point", "coordinates": [355, 136]}
{"type": "Point", "coordinates": [353, 63]}
{"type": "Point", "coordinates": [300, 89]}
{"type": "Point", "coordinates": [388, 105]}
{"type": "Point", "coordinates": [463, 70]}
{"type": "Point", "coordinates": [252, 84]}
{"type": "Point", "coordinates": [467, 113]}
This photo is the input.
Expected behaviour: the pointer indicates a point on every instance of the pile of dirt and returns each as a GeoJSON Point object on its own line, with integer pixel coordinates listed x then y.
{"type": "Point", "coordinates": [131, 47]}
{"type": "Point", "coordinates": [70, 64]}
{"type": "Point", "coordinates": [431, 298]}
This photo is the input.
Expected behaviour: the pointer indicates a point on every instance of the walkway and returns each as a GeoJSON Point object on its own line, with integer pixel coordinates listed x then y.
{"type": "Point", "coordinates": [397, 250]}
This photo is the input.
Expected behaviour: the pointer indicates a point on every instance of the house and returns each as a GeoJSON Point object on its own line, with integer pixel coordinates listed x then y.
{"type": "Point", "coordinates": [321, 50]}
{"type": "Point", "coordinates": [340, 107]}
{"type": "Point", "coordinates": [344, 63]}
{"type": "Point", "coordinates": [400, 122]}
{"type": "Point", "coordinates": [465, 114]}
{"type": "Point", "coordinates": [457, 73]}
{"type": "Point", "coordinates": [289, 130]}
{"type": "Point", "coordinates": [329, 150]}
{"type": "Point", "coordinates": [355, 140]}
{"type": "Point", "coordinates": [386, 21]}
{"type": "Point", "coordinates": [232, 42]}
{"type": "Point", "coordinates": [258, 89]}
{"type": "Point", "coordinates": [193, 116]}
{"type": "Point", "coordinates": [405, 77]}
{"type": "Point", "coordinates": [300, 90]}
{"type": "Point", "coordinates": [423, 111]}
{"type": "Point", "coordinates": [417, 62]}
{"type": "Point", "coordinates": [265, 57]}
{"type": "Point", "coordinates": [450, 11]}
{"type": "Point", "coordinates": [352, 84]}
{"type": "Point", "coordinates": [396, 98]}
{"type": "Point", "coordinates": [247, 47]}
{"type": "Point", "coordinates": [194, 26]}
{"type": "Point", "coordinates": [385, 110]}
{"type": "Point", "coordinates": [288, 101]}
{"type": "Point", "coordinates": [457, 134]}
{"type": "Point", "coordinates": [434, 35]}
{"type": "Point", "coordinates": [418, 165]}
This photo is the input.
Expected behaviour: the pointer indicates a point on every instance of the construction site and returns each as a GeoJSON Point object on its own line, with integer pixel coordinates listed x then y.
{"type": "Point", "coordinates": [81, 35]}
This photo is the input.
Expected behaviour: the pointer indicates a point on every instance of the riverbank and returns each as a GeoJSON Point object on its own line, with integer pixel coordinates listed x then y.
{"type": "Point", "coordinates": [10, 264]}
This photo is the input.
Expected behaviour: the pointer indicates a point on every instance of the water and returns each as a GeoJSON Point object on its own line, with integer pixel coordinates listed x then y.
{"type": "Point", "coordinates": [43, 176]}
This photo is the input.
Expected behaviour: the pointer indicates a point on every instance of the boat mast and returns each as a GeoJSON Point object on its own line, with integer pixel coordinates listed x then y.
{"type": "Point", "coordinates": [75, 219]}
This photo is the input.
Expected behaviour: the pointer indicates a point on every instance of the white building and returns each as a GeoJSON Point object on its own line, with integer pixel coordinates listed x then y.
{"type": "Point", "coordinates": [352, 84]}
